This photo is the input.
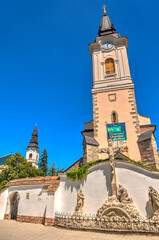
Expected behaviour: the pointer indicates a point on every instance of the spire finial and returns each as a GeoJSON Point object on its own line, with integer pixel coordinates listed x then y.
{"type": "Point", "coordinates": [36, 124]}
{"type": "Point", "coordinates": [104, 7]}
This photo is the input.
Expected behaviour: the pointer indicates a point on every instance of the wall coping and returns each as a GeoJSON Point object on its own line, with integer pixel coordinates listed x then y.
{"type": "Point", "coordinates": [140, 168]}
{"type": "Point", "coordinates": [34, 181]}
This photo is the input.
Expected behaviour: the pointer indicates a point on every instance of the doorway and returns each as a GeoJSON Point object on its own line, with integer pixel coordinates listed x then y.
{"type": "Point", "coordinates": [14, 205]}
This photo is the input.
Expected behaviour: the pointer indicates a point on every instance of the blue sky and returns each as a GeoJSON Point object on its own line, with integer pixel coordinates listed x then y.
{"type": "Point", "coordinates": [46, 71]}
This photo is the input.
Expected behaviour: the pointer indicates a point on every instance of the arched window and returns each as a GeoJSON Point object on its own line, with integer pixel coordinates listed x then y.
{"type": "Point", "coordinates": [114, 117]}
{"type": "Point", "coordinates": [30, 156]}
{"type": "Point", "coordinates": [109, 66]}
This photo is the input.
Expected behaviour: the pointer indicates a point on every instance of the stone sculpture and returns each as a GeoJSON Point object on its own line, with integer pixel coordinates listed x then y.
{"type": "Point", "coordinates": [122, 195]}
{"type": "Point", "coordinates": [112, 166]}
{"type": "Point", "coordinates": [80, 202]}
{"type": "Point", "coordinates": [154, 199]}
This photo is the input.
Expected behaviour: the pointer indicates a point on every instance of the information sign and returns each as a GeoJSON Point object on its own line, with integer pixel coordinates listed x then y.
{"type": "Point", "coordinates": [116, 131]}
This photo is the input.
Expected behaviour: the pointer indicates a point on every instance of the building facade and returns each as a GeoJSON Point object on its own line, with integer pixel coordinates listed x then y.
{"type": "Point", "coordinates": [114, 104]}
{"type": "Point", "coordinates": [113, 194]}
{"type": "Point", "coordinates": [3, 161]}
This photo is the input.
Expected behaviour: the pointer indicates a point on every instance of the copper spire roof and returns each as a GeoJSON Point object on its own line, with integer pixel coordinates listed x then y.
{"type": "Point", "coordinates": [34, 139]}
{"type": "Point", "coordinates": [106, 26]}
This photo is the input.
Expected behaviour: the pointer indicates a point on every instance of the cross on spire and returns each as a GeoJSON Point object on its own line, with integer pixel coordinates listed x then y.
{"type": "Point", "coordinates": [104, 7]}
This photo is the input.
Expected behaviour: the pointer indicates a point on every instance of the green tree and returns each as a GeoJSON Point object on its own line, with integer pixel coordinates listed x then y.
{"type": "Point", "coordinates": [59, 170]}
{"type": "Point", "coordinates": [43, 162]}
{"type": "Point", "coordinates": [54, 171]}
{"type": "Point", "coordinates": [18, 167]}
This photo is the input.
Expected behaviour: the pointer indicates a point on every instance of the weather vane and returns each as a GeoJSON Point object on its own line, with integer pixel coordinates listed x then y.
{"type": "Point", "coordinates": [104, 7]}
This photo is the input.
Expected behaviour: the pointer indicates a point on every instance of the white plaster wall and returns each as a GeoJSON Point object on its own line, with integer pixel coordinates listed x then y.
{"type": "Point", "coordinates": [3, 203]}
{"type": "Point", "coordinates": [40, 205]}
{"type": "Point", "coordinates": [137, 181]}
{"type": "Point", "coordinates": [96, 188]}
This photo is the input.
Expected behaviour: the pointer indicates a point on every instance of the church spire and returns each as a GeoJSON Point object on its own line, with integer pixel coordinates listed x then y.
{"type": "Point", "coordinates": [34, 139]}
{"type": "Point", "coordinates": [106, 27]}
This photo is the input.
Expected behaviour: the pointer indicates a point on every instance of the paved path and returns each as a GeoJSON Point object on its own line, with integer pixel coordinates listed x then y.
{"type": "Point", "coordinates": [12, 230]}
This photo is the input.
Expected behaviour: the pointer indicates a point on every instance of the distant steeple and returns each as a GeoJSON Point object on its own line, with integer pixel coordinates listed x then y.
{"type": "Point", "coordinates": [34, 139]}
{"type": "Point", "coordinates": [106, 26]}
{"type": "Point", "coordinates": [32, 152]}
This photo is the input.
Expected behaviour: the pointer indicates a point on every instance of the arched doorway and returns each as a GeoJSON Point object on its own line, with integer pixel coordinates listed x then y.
{"type": "Point", "coordinates": [14, 202]}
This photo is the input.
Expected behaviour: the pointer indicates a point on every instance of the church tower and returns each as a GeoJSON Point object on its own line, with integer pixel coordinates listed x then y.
{"type": "Point", "coordinates": [32, 153]}
{"type": "Point", "coordinates": [114, 106]}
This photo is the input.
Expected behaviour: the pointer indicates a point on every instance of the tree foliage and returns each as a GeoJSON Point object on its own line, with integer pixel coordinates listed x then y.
{"type": "Point", "coordinates": [54, 171]}
{"type": "Point", "coordinates": [43, 162]}
{"type": "Point", "coordinates": [18, 167]}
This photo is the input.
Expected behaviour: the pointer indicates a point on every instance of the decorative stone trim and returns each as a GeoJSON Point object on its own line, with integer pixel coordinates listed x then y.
{"type": "Point", "coordinates": [95, 114]}
{"type": "Point", "coordinates": [133, 112]}
{"type": "Point", "coordinates": [94, 223]}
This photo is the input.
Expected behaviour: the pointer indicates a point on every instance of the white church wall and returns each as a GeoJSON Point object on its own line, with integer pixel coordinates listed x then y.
{"type": "Point", "coordinates": [137, 180]}
{"type": "Point", "coordinates": [37, 204]}
{"type": "Point", "coordinates": [50, 211]}
{"type": "Point", "coordinates": [96, 188]}
{"type": "Point", "coordinates": [3, 203]}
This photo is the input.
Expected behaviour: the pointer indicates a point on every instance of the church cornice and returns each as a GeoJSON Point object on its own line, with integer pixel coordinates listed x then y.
{"type": "Point", "coordinates": [113, 88]}
{"type": "Point", "coordinates": [97, 46]}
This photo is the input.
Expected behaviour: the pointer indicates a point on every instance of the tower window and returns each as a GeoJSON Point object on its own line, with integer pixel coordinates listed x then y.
{"type": "Point", "coordinates": [114, 117]}
{"type": "Point", "coordinates": [30, 156]}
{"type": "Point", "coordinates": [109, 66]}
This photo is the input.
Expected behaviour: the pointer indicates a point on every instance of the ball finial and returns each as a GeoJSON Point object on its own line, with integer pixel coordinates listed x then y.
{"type": "Point", "coordinates": [104, 7]}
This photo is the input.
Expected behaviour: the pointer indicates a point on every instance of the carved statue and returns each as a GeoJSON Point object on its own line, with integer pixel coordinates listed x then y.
{"type": "Point", "coordinates": [112, 166]}
{"type": "Point", "coordinates": [154, 199]}
{"type": "Point", "coordinates": [80, 201]}
{"type": "Point", "coordinates": [123, 196]}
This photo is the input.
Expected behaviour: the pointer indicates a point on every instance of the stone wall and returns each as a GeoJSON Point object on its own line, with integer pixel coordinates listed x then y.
{"type": "Point", "coordinates": [90, 153]}
{"type": "Point", "coordinates": [149, 153]}
{"type": "Point", "coordinates": [33, 219]}
{"type": "Point", "coordinates": [37, 220]}
{"type": "Point", "coordinates": [146, 151]}
{"type": "Point", "coordinates": [75, 166]}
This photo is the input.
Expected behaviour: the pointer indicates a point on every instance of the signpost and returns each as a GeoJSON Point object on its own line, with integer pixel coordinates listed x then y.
{"type": "Point", "coordinates": [116, 132]}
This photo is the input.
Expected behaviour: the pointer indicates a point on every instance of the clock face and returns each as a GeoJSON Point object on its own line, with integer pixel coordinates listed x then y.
{"type": "Point", "coordinates": [107, 45]}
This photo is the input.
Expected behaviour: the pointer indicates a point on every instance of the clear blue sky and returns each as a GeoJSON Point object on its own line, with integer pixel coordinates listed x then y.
{"type": "Point", "coordinates": [46, 71]}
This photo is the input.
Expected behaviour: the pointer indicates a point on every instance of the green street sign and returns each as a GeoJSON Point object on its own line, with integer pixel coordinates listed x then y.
{"type": "Point", "coordinates": [113, 129]}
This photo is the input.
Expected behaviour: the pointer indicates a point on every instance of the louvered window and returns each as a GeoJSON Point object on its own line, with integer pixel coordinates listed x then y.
{"type": "Point", "coordinates": [109, 66]}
